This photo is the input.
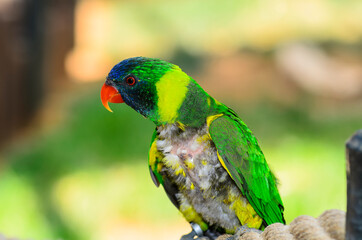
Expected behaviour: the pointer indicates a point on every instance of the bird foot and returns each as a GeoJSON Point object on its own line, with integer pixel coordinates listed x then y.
{"type": "Point", "coordinates": [198, 234]}
{"type": "Point", "coordinates": [212, 234]}
{"type": "Point", "coordinates": [192, 236]}
{"type": "Point", "coordinates": [189, 236]}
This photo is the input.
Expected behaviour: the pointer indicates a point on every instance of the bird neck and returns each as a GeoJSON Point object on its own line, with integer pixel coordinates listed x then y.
{"type": "Point", "coordinates": [195, 108]}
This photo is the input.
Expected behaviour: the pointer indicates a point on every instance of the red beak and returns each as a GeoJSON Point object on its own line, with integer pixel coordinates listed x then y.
{"type": "Point", "coordinates": [110, 94]}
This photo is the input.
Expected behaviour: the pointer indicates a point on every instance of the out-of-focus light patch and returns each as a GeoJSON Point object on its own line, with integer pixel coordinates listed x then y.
{"type": "Point", "coordinates": [19, 209]}
{"type": "Point", "coordinates": [272, 23]}
{"type": "Point", "coordinates": [103, 37]}
{"type": "Point", "coordinates": [313, 13]}
{"type": "Point", "coordinates": [116, 200]}
{"type": "Point", "coordinates": [88, 61]}
{"type": "Point", "coordinates": [85, 65]}
{"type": "Point", "coordinates": [312, 69]}
{"type": "Point", "coordinates": [10, 10]}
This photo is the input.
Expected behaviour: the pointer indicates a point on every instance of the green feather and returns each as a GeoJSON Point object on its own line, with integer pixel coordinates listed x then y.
{"type": "Point", "coordinates": [246, 164]}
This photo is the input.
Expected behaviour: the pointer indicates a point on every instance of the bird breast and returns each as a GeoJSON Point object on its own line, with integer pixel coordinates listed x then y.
{"type": "Point", "coordinates": [190, 156]}
{"type": "Point", "coordinates": [191, 162]}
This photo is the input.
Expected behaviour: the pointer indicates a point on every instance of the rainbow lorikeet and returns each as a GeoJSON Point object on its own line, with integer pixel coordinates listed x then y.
{"type": "Point", "coordinates": [205, 157]}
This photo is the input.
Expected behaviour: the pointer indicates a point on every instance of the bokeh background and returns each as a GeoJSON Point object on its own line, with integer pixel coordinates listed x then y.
{"type": "Point", "coordinates": [71, 170]}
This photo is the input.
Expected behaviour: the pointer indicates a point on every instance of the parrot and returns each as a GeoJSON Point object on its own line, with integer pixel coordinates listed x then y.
{"type": "Point", "coordinates": [206, 158]}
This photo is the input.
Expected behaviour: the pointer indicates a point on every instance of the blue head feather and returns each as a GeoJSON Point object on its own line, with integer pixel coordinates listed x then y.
{"type": "Point", "coordinates": [122, 68]}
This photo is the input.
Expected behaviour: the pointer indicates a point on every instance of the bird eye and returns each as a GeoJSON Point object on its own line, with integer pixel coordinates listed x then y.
{"type": "Point", "coordinates": [130, 80]}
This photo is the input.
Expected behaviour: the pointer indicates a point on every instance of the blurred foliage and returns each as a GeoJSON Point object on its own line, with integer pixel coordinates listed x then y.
{"type": "Point", "coordinates": [91, 172]}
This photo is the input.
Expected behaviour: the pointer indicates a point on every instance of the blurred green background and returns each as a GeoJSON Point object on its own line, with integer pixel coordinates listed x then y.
{"type": "Point", "coordinates": [69, 169]}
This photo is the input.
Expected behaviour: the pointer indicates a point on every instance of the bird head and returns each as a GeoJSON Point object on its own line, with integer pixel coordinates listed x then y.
{"type": "Point", "coordinates": [154, 88]}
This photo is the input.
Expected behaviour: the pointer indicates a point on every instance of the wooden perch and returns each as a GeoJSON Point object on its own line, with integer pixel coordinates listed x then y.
{"type": "Point", "coordinates": [328, 226]}
{"type": "Point", "coordinates": [354, 187]}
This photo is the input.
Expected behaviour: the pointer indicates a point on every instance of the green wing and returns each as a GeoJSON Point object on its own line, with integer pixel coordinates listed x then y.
{"type": "Point", "coordinates": [240, 154]}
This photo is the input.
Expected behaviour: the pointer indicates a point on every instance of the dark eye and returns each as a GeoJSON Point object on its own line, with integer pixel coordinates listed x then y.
{"type": "Point", "coordinates": [130, 80]}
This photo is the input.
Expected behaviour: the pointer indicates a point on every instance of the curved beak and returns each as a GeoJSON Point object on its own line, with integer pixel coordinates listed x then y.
{"type": "Point", "coordinates": [110, 94]}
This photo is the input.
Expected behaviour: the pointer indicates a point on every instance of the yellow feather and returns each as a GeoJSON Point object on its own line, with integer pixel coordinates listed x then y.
{"type": "Point", "coordinates": [192, 216]}
{"type": "Point", "coordinates": [210, 119]}
{"type": "Point", "coordinates": [153, 153]}
{"type": "Point", "coordinates": [223, 163]}
{"type": "Point", "coordinates": [180, 171]}
{"type": "Point", "coordinates": [189, 164]}
{"type": "Point", "coordinates": [171, 91]}
{"type": "Point", "coordinates": [181, 126]}
{"type": "Point", "coordinates": [245, 212]}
